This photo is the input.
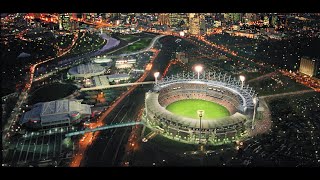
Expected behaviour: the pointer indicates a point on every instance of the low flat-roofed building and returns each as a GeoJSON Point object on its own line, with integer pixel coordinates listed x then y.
{"type": "Point", "coordinates": [124, 66]}
{"type": "Point", "coordinates": [126, 61]}
{"type": "Point", "coordinates": [118, 77]}
{"type": "Point", "coordinates": [55, 113]}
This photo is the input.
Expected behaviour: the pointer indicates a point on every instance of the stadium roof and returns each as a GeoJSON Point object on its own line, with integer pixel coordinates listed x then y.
{"type": "Point", "coordinates": [55, 110]}
{"type": "Point", "coordinates": [86, 69]}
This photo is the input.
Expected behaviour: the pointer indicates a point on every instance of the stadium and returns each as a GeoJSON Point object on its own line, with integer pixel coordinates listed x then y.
{"type": "Point", "coordinates": [55, 113]}
{"type": "Point", "coordinates": [183, 105]}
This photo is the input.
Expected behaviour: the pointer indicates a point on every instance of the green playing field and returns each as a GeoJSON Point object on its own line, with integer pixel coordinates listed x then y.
{"type": "Point", "coordinates": [189, 108]}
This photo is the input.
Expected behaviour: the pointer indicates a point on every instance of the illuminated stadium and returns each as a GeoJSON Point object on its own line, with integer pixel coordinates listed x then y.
{"type": "Point", "coordinates": [183, 105]}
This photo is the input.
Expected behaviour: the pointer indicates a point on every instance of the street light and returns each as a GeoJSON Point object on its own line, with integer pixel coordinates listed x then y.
{"type": "Point", "coordinates": [198, 68]}
{"type": "Point", "coordinates": [242, 78]}
{"type": "Point", "coordinates": [156, 75]}
{"type": "Point", "coordinates": [254, 110]}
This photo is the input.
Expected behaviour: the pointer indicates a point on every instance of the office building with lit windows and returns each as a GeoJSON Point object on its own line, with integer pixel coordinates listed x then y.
{"type": "Point", "coordinates": [309, 66]}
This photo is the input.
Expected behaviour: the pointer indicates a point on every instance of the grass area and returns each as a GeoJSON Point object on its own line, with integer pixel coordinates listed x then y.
{"type": "Point", "coordinates": [172, 145]}
{"type": "Point", "coordinates": [189, 108]}
{"type": "Point", "coordinates": [139, 45]}
{"type": "Point", "coordinates": [127, 37]}
{"type": "Point", "coordinates": [252, 75]}
{"type": "Point", "coordinates": [276, 84]}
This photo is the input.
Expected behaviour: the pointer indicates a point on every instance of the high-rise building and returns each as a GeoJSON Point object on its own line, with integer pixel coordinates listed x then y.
{"type": "Point", "coordinates": [274, 21]}
{"type": "Point", "coordinates": [233, 17]}
{"type": "Point", "coordinates": [202, 24]}
{"type": "Point", "coordinates": [164, 19]}
{"type": "Point", "coordinates": [176, 19]}
{"type": "Point", "coordinates": [194, 24]}
{"type": "Point", "coordinates": [249, 17]}
{"type": "Point", "coordinates": [64, 22]}
{"type": "Point", "coordinates": [266, 21]}
{"type": "Point", "coordinates": [88, 17]}
{"type": "Point", "coordinates": [309, 66]}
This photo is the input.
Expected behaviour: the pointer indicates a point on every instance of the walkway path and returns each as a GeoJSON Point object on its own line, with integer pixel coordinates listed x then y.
{"type": "Point", "coordinates": [262, 77]}
{"type": "Point", "coordinates": [287, 94]}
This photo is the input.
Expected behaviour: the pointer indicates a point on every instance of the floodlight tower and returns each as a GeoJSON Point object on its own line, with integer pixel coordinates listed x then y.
{"type": "Point", "coordinates": [156, 75]}
{"type": "Point", "coordinates": [242, 78]}
{"type": "Point", "coordinates": [200, 114]}
{"type": "Point", "coordinates": [254, 110]}
{"type": "Point", "coordinates": [198, 69]}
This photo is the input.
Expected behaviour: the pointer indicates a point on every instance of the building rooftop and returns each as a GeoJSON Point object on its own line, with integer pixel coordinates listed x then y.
{"type": "Point", "coordinates": [116, 76]}
{"type": "Point", "coordinates": [86, 69]}
{"type": "Point", "coordinates": [55, 110]}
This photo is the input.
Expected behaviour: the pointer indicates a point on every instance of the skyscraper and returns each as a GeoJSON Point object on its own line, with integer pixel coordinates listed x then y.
{"type": "Point", "coordinates": [64, 22]}
{"type": "Point", "coordinates": [202, 24]}
{"type": "Point", "coordinates": [233, 17]}
{"type": "Point", "coordinates": [309, 66]}
{"type": "Point", "coordinates": [176, 19]}
{"type": "Point", "coordinates": [266, 21]}
{"type": "Point", "coordinates": [164, 19]}
{"type": "Point", "coordinates": [194, 24]}
{"type": "Point", "coordinates": [274, 21]}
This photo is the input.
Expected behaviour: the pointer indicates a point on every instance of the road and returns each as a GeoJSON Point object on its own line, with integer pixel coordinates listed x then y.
{"type": "Point", "coordinates": [89, 137]}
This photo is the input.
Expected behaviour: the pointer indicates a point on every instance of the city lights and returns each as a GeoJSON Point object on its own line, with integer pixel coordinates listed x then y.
{"type": "Point", "coordinates": [148, 89]}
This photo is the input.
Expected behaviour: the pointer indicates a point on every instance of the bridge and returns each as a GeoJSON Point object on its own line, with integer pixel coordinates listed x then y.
{"type": "Point", "coordinates": [132, 123]}
{"type": "Point", "coordinates": [114, 86]}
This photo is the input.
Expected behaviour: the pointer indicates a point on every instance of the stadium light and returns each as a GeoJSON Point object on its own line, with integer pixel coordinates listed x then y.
{"type": "Point", "coordinates": [242, 78]}
{"type": "Point", "coordinates": [254, 100]}
{"type": "Point", "coordinates": [200, 114]}
{"type": "Point", "coordinates": [198, 68]}
{"type": "Point", "coordinates": [156, 75]}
